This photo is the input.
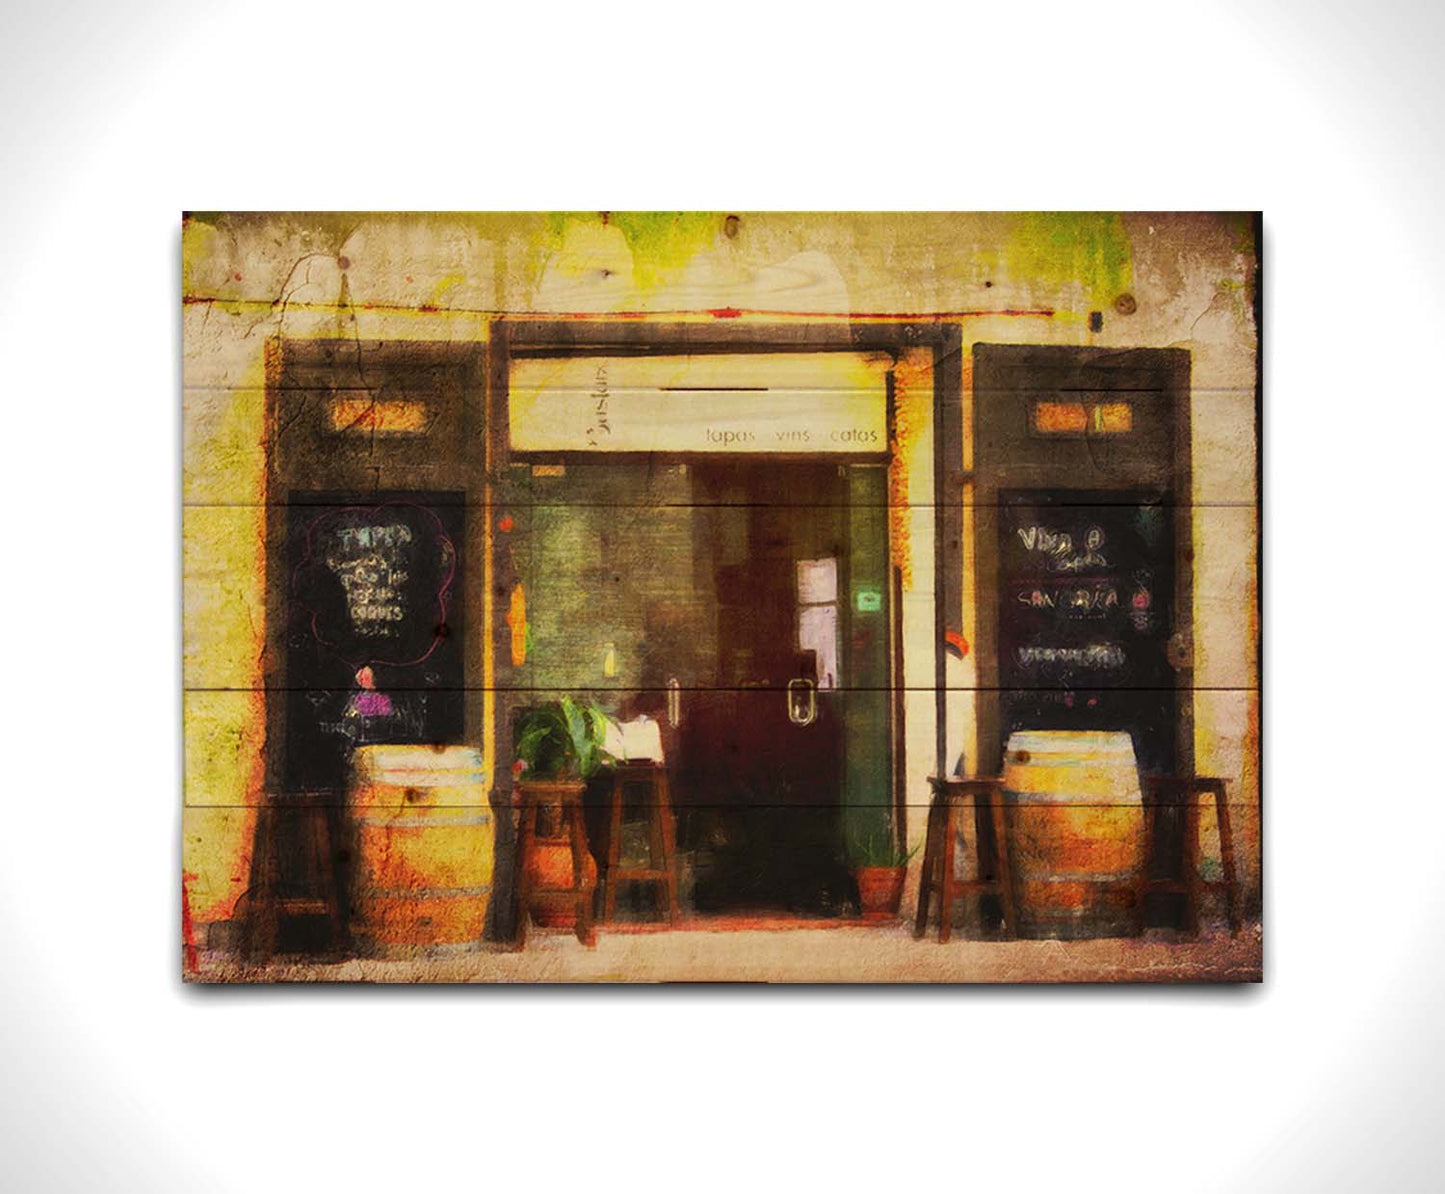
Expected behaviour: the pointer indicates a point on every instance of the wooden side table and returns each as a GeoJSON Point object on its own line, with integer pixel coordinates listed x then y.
{"type": "Point", "coordinates": [661, 865]}
{"type": "Point", "coordinates": [562, 800]}
{"type": "Point", "coordinates": [1189, 792]}
{"type": "Point", "coordinates": [950, 793]}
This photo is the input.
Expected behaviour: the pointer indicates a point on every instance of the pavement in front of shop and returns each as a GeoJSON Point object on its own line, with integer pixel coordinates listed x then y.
{"type": "Point", "coordinates": [790, 954]}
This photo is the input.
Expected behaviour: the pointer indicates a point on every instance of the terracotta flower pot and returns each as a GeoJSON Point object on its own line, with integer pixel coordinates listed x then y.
{"type": "Point", "coordinates": [880, 891]}
{"type": "Point", "coordinates": [549, 870]}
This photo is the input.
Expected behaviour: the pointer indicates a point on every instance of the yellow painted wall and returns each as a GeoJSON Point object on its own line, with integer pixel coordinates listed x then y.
{"type": "Point", "coordinates": [1003, 278]}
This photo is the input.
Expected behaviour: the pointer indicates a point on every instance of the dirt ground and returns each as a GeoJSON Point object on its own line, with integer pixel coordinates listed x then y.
{"type": "Point", "coordinates": [793, 954]}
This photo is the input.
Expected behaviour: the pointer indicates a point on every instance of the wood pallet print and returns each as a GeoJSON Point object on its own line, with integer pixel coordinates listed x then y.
{"type": "Point", "coordinates": [677, 596]}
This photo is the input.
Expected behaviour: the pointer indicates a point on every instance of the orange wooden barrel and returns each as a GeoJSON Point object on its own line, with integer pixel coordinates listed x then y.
{"type": "Point", "coordinates": [424, 846]}
{"type": "Point", "coordinates": [1076, 830]}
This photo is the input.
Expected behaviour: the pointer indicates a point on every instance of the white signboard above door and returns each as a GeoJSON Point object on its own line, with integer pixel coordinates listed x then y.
{"type": "Point", "coordinates": [832, 403]}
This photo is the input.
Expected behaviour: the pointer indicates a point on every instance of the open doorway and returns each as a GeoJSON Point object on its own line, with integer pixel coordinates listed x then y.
{"type": "Point", "coordinates": [743, 605]}
{"type": "Point", "coordinates": [702, 538]}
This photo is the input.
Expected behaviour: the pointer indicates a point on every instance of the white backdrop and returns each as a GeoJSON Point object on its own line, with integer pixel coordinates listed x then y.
{"type": "Point", "coordinates": [114, 117]}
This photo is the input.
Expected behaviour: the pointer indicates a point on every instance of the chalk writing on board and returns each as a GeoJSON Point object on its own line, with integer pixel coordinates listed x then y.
{"type": "Point", "coordinates": [370, 563]}
{"type": "Point", "coordinates": [1078, 602]}
{"type": "Point", "coordinates": [406, 718]}
{"type": "Point", "coordinates": [1106, 656]}
{"type": "Point", "coordinates": [374, 584]}
{"type": "Point", "coordinates": [1058, 548]}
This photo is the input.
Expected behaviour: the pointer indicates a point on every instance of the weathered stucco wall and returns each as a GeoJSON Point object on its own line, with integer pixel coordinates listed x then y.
{"type": "Point", "coordinates": [1183, 281]}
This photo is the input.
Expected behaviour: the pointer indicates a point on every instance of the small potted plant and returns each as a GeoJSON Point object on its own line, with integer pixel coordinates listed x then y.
{"type": "Point", "coordinates": [559, 747]}
{"type": "Point", "coordinates": [880, 867]}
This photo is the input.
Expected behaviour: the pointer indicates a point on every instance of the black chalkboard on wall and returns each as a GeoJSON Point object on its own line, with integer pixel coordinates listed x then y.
{"type": "Point", "coordinates": [373, 634]}
{"type": "Point", "coordinates": [1085, 606]}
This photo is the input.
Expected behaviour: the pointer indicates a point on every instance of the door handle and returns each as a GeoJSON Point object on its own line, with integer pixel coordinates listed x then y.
{"type": "Point", "coordinates": [802, 710]}
{"type": "Point", "coordinates": [674, 703]}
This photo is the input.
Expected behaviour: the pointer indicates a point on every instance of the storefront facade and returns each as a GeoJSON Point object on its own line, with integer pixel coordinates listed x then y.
{"type": "Point", "coordinates": [838, 502]}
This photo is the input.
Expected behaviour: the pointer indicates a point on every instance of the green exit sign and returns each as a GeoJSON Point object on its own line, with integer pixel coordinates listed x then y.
{"type": "Point", "coordinates": [868, 601]}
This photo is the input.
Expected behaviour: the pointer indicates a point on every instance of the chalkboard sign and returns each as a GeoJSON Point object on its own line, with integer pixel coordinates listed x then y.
{"type": "Point", "coordinates": [1085, 601]}
{"type": "Point", "coordinates": [373, 638]}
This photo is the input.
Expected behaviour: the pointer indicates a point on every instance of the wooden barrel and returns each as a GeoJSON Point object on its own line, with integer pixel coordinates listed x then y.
{"type": "Point", "coordinates": [422, 876]}
{"type": "Point", "coordinates": [1076, 830]}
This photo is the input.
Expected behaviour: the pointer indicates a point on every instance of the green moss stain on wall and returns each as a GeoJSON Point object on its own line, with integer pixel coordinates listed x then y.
{"type": "Point", "coordinates": [661, 242]}
{"type": "Point", "coordinates": [541, 237]}
{"type": "Point", "coordinates": [1057, 249]}
{"type": "Point", "coordinates": [199, 241]}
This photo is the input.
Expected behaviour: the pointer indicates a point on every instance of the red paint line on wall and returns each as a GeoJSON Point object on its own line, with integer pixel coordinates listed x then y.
{"type": "Point", "coordinates": [714, 312]}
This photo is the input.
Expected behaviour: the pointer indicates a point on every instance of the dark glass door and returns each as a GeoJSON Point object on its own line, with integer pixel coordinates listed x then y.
{"type": "Point", "coordinates": [762, 738]}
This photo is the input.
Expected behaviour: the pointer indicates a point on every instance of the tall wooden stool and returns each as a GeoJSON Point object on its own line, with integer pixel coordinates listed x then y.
{"type": "Point", "coordinates": [949, 796]}
{"type": "Point", "coordinates": [270, 904]}
{"type": "Point", "coordinates": [662, 837]}
{"type": "Point", "coordinates": [563, 800]}
{"type": "Point", "coordinates": [1189, 792]}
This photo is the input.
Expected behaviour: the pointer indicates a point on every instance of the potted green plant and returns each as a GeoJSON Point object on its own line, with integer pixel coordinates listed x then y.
{"type": "Point", "coordinates": [880, 866]}
{"type": "Point", "coordinates": [562, 740]}
{"type": "Point", "coordinates": [559, 747]}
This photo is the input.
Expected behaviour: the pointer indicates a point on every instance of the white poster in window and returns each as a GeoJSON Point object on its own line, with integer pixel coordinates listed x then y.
{"type": "Point", "coordinates": [817, 581]}
{"type": "Point", "coordinates": [818, 632]}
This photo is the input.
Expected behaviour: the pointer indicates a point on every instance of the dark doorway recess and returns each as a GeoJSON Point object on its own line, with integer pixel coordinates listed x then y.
{"type": "Point", "coordinates": [1084, 528]}
{"type": "Point", "coordinates": [374, 557]}
{"type": "Point", "coordinates": [1083, 524]}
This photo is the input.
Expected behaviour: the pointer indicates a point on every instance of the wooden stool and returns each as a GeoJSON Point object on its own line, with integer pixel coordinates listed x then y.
{"type": "Point", "coordinates": [268, 904]}
{"type": "Point", "coordinates": [662, 841]}
{"type": "Point", "coordinates": [565, 800]}
{"type": "Point", "coordinates": [948, 799]}
{"type": "Point", "coordinates": [1186, 791]}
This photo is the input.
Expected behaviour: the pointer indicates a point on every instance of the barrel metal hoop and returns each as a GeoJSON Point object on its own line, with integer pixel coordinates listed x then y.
{"type": "Point", "coordinates": [427, 893]}
{"type": "Point", "coordinates": [411, 821]}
